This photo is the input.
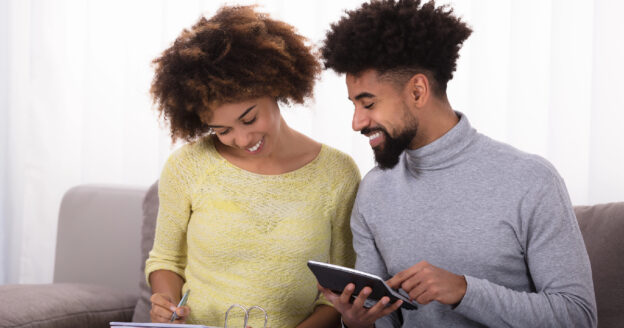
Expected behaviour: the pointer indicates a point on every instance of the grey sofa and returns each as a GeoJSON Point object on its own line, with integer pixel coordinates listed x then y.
{"type": "Point", "coordinates": [97, 263]}
{"type": "Point", "coordinates": [105, 233]}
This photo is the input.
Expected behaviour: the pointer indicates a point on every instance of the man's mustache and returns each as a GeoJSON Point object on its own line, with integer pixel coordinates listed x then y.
{"type": "Point", "coordinates": [366, 131]}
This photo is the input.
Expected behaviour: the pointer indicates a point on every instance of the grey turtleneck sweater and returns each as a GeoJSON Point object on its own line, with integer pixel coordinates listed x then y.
{"type": "Point", "coordinates": [479, 208]}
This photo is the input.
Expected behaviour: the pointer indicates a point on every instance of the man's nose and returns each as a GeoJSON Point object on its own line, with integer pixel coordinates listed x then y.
{"type": "Point", "coordinates": [360, 119]}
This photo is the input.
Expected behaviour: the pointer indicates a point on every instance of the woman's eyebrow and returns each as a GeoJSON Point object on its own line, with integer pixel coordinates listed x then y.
{"type": "Point", "coordinates": [246, 111]}
{"type": "Point", "coordinates": [240, 117]}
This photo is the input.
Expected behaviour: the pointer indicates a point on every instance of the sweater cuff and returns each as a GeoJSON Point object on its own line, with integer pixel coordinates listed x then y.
{"type": "Point", "coordinates": [151, 267]}
{"type": "Point", "coordinates": [345, 326]}
{"type": "Point", "coordinates": [471, 304]}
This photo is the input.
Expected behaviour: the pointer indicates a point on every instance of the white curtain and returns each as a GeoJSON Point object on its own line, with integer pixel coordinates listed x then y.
{"type": "Point", "coordinates": [4, 106]}
{"type": "Point", "coordinates": [544, 76]}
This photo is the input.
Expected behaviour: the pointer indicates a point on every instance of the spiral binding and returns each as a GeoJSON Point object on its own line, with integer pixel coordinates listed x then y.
{"type": "Point", "coordinates": [247, 311]}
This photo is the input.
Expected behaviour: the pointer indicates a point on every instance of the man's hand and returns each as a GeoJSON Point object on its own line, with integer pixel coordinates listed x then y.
{"type": "Point", "coordinates": [163, 307]}
{"type": "Point", "coordinates": [355, 315]}
{"type": "Point", "coordinates": [425, 283]}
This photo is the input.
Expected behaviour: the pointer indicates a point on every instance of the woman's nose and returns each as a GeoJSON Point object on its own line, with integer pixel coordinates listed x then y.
{"type": "Point", "coordinates": [243, 140]}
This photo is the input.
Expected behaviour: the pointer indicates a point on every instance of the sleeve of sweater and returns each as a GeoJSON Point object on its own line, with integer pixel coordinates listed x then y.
{"type": "Point", "coordinates": [368, 259]}
{"type": "Point", "coordinates": [169, 250]}
{"type": "Point", "coordinates": [341, 248]}
{"type": "Point", "coordinates": [558, 263]}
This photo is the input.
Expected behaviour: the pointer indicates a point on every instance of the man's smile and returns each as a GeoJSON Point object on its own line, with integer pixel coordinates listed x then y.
{"type": "Point", "coordinates": [375, 138]}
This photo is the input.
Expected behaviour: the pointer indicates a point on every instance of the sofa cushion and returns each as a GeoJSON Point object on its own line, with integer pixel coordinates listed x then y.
{"type": "Point", "coordinates": [602, 227]}
{"type": "Point", "coordinates": [148, 228]}
{"type": "Point", "coordinates": [64, 305]}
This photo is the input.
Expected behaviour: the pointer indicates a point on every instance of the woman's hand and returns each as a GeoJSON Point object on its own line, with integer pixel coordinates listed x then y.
{"type": "Point", "coordinates": [165, 285]}
{"type": "Point", "coordinates": [163, 308]}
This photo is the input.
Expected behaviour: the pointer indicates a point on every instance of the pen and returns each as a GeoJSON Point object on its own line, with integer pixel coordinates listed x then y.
{"type": "Point", "coordinates": [174, 316]}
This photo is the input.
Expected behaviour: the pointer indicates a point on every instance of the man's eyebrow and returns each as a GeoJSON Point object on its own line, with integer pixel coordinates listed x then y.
{"type": "Point", "coordinates": [246, 111]}
{"type": "Point", "coordinates": [364, 95]}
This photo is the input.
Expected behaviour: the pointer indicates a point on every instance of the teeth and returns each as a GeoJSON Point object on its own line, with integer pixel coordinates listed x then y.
{"type": "Point", "coordinates": [375, 135]}
{"type": "Point", "coordinates": [254, 148]}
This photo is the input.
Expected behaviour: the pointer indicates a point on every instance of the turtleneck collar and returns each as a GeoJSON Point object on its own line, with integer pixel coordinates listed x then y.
{"type": "Point", "coordinates": [443, 152]}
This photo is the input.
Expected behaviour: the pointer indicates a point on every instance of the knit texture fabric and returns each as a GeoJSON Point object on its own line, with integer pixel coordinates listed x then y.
{"type": "Point", "coordinates": [238, 237]}
{"type": "Point", "coordinates": [479, 208]}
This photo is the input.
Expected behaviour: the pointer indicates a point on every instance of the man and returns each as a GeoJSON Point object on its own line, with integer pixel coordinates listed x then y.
{"type": "Point", "coordinates": [475, 231]}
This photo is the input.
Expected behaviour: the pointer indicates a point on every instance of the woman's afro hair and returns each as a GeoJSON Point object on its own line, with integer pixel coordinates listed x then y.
{"type": "Point", "coordinates": [389, 35]}
{"type": "Point", "coordinates": [236, 55]}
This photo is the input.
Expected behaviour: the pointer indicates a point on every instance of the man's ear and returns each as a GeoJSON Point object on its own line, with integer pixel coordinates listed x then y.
{"type": "Point", "coordinates": [419, 90]}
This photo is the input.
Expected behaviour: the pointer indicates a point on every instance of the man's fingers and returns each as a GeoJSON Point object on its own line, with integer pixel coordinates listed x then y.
{"type": "Point", "coordinates": [345, 297]}
{"type": "Point", "coordinates": [382, 309]}
{"type": "Point", "coordinates": [420, 281]}
{"type": "Point", "coordinates": [359, 301]}
{"type": "Point", "coordinates": [424, 298]}
{"type": "Point", "coordinates": [420, 285]}
{"type": "Point", "coordinates": [379, 306]}
{"type": "Point", "coordinates": [396, 281]}
{"type": "Point", "coordinates": [389, 309]}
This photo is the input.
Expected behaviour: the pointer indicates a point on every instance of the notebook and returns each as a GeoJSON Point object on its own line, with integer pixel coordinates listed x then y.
{"type": "Point", "coordinates": [115, 324]}
{"type": "Point", "coordinates": [159, 325]}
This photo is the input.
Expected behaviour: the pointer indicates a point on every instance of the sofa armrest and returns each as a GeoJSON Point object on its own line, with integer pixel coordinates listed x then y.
{"type": "Point", "coordinates": [602, 227]}
{"type": "Point", "coordinates": [62, 305]}
{"type": "Point", "coordinates": [99, 236]}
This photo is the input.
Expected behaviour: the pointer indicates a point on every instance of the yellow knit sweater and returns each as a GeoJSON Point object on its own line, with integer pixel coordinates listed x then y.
{"type": "Point", "coordinates": [238, 237]}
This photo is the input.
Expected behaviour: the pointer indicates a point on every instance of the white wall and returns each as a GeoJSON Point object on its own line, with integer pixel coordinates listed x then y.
{"type": "Point", "coordinates": [4, 113]}
{"type": "Point", "coordinates": [606, 164]}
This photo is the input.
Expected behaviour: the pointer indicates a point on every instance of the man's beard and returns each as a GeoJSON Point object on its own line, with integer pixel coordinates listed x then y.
{"type": "Point", "coordinates": [387, 154]}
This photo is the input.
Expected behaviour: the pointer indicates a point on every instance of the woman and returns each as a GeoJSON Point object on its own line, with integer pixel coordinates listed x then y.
{"type": "Point", "coordinates": [248, 200]}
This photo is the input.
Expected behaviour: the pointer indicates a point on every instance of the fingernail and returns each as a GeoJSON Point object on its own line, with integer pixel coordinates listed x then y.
{"type": "Point", "coordinates": [172, 309]}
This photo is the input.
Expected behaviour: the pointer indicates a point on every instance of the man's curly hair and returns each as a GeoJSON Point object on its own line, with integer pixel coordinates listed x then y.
{"type": "Point", "coordinates": [397, 36]}
{"type": "Point", "coordinates": [236, 55]}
